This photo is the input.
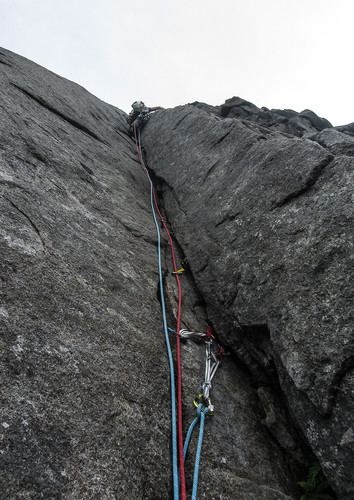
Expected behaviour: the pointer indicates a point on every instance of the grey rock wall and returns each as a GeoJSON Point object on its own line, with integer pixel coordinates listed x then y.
{"type": "Point", "coordinates": [85, 409]}
{"type": "Point", "coordinates": [266, 222]}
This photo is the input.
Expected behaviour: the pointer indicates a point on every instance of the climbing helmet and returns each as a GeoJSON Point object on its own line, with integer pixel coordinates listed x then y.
{"type": "Point", "coordinates": [138, 105]}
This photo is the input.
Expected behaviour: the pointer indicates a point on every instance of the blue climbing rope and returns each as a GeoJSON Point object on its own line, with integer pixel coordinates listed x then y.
{"type": "Point", "coordinates": [189, 435]}
{"type": "Point", "coordinates": [198, 454]}
{"type": "Point", "coordinates": [170, 358]}
{"type": "Point", "coordinates": [199, 418]}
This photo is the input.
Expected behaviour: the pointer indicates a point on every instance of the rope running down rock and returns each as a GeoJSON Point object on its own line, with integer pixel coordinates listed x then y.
{"type": "Point", "coordinates": [175, 450]}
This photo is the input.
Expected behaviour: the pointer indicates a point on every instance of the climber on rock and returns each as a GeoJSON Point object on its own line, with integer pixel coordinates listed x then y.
{"type": "Point", "coordinates": [139, 115]}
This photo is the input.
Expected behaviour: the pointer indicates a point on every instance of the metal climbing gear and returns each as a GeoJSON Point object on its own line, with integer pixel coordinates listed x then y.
{"type": "Point", "coordinates": [203, 402]}
{"type": "Point", "coordinates": [186, 334]}
{"type": "Point", "coordinates": [212, 363]}
{"type": "Point", "coordinates": [180, 271]}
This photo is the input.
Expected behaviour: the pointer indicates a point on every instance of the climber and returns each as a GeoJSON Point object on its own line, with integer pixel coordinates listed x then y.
{"type": "Point", "coordinates": [140, 114]}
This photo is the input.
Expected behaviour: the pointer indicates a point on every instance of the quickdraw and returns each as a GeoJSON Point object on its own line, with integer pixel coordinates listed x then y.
{"type": "Point", "coordinates": [212, 362]}
{"type": "Point", "coordinates": [213, 359]}
{"type": "Point", "coordinates": [202, 401]}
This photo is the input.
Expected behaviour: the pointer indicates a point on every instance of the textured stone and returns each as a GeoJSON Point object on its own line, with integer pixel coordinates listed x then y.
{"type": "Point", "coordinates": [85, 404]}
{"type": "Point", "coordinates": [336, 142]}
{"type": "Point", "coordinates": [287, 120]}
{"type": "Point", "coordinates": [346, 129]}
{"type": "Point", "coordinates": [266, 223]}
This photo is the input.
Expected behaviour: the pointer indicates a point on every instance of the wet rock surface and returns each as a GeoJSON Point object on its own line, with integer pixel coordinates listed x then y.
{"type": "Point", "coordinates": [85, 404]}
{"type": "Point", "coordinates": [265, 220]}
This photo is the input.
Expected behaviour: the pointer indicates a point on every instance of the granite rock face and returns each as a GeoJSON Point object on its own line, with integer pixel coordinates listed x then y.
{"type": "Point", "coordinates": [336, 142]}
{"type": "Point", "coordinates": [265, 220]}
{"type": "Point", "coordinates": [85, 404]}
{"type": "Point", "coordinates": [284, 120]}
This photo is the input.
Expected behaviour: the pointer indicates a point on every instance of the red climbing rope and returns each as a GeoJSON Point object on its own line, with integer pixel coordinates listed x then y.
{"type": "Point", "coordinates": [179, 371]}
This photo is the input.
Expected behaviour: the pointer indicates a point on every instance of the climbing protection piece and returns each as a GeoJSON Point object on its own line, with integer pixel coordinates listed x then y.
{"type": "Point", "coordinates": [203, 402]}
{"type": "Point", "coordinates": [180, 271]}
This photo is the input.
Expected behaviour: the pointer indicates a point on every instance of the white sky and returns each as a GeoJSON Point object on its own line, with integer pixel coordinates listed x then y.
{"type": "Point", "coordinates": [294, 54]}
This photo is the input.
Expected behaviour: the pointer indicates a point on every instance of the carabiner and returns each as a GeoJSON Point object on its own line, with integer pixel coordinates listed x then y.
{"type": "Point", "coordinates": [206, 404]}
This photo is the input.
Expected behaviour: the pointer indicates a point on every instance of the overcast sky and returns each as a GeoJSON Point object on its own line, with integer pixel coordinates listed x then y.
{"type": "Point", "coordinates": [294, 54]}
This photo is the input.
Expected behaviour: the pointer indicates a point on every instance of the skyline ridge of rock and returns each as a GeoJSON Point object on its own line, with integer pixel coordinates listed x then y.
{"type": "Point", "coordinates": [283, 120]}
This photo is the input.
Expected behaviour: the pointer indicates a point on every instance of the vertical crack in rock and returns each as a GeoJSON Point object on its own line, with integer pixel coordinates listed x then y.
{"type": "Point", "coordinates": [257, 348]}
{"type": "Point", "coordinates": [276, 283]}
{"type": "Point", "coordinates": [256, 351]}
